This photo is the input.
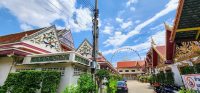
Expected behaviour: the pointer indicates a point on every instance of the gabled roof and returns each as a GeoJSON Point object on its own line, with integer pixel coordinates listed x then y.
{"type": "Point", "coordinates": [65, 36]}
{"type": "Point", "coordinates": [130, 64]}
{"type": "Point", "coordinates": [141, 63]}
{"type": "Point", "coordinates": [187, 22]}
{"type": "Point", "coordinates": [16, 37]}
{"type": "Point", "coordinates": [161, 50]}
{"type": "Point", "coordinates": [85, 40]}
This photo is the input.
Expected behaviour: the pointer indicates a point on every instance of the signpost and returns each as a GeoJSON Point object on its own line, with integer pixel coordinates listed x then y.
{"type": "Point", "coordinates": [192, 81]}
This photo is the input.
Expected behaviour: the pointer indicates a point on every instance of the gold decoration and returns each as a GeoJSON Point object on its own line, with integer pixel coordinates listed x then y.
{"type": "Point", "coordinates": [187, 50]}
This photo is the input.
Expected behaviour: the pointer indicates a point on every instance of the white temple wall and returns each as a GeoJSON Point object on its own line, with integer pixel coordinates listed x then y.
{"type": "Point", "coordinates": [177, 75]}
{"type": "Point", "coordinates": [5, 65]}
{"type": "Point", "coordinates": [66, 80]}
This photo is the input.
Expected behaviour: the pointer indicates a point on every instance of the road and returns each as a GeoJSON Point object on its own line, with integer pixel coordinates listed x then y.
{"type": "Point", "coordinates": [138, 87]}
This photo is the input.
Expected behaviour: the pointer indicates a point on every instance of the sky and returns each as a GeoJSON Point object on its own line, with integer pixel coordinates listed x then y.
{"type": "Point", "coordinates": [125, 26]}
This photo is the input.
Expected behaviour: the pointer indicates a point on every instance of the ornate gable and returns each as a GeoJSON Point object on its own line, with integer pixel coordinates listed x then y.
{"type": "Point", "coordinates": [46, 39]}
{"type": "Point", "coordinates": [65, 37]}
{"type": "Point", "coordinates": [85, 49]}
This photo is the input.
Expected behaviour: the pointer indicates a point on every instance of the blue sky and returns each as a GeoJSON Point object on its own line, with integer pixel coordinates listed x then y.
{"type": "Point", "coordinates": [123, 23]}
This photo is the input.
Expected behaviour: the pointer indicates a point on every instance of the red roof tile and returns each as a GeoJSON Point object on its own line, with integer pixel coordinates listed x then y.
{"type": "Point", "coordinates": [141, 63]}
{"type": "Point", "coordinates": [16, 37]}
{"type": "Point", "coordinates": [126, 64]}
{"type": "Point", "coordinates": [161, 50]}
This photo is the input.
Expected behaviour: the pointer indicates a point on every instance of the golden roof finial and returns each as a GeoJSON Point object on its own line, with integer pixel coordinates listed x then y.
{"type": "Point", "coordinates": [152, 42]}
{"type": "Point", "coordinates": [167, 26]}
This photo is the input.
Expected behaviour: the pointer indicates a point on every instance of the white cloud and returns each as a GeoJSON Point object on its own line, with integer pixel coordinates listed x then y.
{"type": "Point", "coordinates": [83, 19]}
{"type": "Point", "coordinates": [117, 36]}
{"type": "Point", "coordinates": [158, 37]}
{"type": "Point", "coordinates": [126, 24]}
{"type": "Point", "coordinates": [42, 13]}
{"type": "Point", "coordinates": [108, 30]}
{"type": "Point", "coordinates": [60, 27]}
{"type": "Point", "coordinates": [114, 41]}
{"type": "Point", "coordinates": [119, 20]}
{"type": "Point", "coordinates": [158, 27]}
{"type": "Point", "coordinates": [132, 8]}
{"type": "Point", "coordinates": [26, 27]}
{"type": "Point", "coordinates": [131, 2]}
{"type": "Point", "coordinates": [137, 21]}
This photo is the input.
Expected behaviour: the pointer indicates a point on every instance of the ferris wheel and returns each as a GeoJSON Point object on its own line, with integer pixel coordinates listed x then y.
{"type": "Point", "coordinates": [124, 52]}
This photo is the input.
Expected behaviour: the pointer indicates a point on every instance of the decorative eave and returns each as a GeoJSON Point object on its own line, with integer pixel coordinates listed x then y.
{"type": "Point", "coordinates": [14, 51]}
{"type": "Point", "coordinates": [24, 46]}
{"type": "Point", "coordinates": [187, 50]}
{"type": "Point", "coordinates": [176, 22]}
{"type": "Point", "coordinates": [187, 23]}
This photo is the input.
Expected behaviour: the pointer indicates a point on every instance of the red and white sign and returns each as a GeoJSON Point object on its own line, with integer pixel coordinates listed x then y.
{"type": "Point", "coordinates": [192, 81]}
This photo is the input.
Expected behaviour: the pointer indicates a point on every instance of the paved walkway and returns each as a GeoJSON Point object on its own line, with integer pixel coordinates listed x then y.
{"type": "Point", "coordinates": [138, 87]}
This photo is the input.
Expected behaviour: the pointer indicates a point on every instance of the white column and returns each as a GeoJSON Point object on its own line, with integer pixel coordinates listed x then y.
{"type": "Point", "coordinates": [72, 57]}
{"type": "Point", "coordinates": [177, 75]}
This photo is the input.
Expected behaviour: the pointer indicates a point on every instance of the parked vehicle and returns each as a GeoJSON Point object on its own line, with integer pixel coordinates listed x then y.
{"type": "Point", "coordinates": [122, 87]}
{"type": "Point", "coordinates": [166, 88]}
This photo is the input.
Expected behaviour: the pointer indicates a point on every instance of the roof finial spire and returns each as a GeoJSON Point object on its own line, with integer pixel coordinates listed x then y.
{"type": "Point", "coordinates": [152, 42]}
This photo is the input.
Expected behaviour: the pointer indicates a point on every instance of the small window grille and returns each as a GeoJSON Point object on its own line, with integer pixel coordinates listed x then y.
{"type": "Point", "coordinates": [62, 70]}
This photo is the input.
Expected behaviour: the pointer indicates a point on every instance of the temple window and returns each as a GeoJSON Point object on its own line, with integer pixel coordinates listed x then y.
{"type": "Point", "coordinates": [19, 70]}
{"type": "Point", "coordinates": [120, 70]}
{"type": "Point", "coordinates": [126, 70]}
{"type": "Point", "coordinates": [78, 71]}
{"type": "Point", "coordinates": [62, 70]}
{"type": "Point", "coordinates": [132, 70]}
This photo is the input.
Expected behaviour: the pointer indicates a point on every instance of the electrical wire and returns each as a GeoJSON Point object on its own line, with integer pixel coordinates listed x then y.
{"type": "Point", "coordinates": [63, 12]}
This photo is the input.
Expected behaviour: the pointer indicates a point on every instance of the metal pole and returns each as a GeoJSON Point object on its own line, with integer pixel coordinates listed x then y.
{"type": "Point", "coordinates": [95, 33]}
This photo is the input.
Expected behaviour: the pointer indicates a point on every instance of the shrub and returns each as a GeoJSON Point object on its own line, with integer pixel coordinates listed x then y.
{"type": "Point", "coordinates": [187, 70]}
{"type": "Point", "coordinates": [169, 78]}
{"type": "Point", "coordinates": [183, 90]}
{"type": "Point", "coordinates": [71, 89]}
{"type": "Point", "coordinates": [112, 85]}
{"type": "Point", "coordinates": [86, 83]}
{"type": "Point", "coordinates": [143, 78]}
{"type": "Point", "coordinates": [197, 67]}
{"type": "Point", "coordinates": [50, 81]}
{"type": "Point", "coordinates": [31, 81]}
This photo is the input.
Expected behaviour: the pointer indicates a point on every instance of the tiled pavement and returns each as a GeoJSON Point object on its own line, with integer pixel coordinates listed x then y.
{"type": "Point", "coordinates": [138, 87]}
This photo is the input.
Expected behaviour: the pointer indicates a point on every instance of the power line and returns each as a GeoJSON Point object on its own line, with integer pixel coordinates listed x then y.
{"type": "Point", "coordinates": [87, 4]}
{"type": "Point", "coordinates": [61, 11]}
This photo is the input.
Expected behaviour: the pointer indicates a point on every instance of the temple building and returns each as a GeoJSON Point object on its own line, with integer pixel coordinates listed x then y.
{"type": "Point", "coordinates": [130, 69]}
{"type": "Point", "coordinates": [182, 48]}
{"type": "Point", "coordinates": [42, 49]}
{"type": "Point", "coordinates": [85, 49]}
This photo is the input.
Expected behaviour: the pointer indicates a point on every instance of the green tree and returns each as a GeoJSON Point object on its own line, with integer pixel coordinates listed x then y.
{"type": "Point", "coordinates": [100, 75]}
{"type": "Point", "coordinates": [112, 83]}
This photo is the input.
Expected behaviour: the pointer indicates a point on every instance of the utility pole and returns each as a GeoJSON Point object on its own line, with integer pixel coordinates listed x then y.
{"type": "Point", "coordinates": [95, 34]}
